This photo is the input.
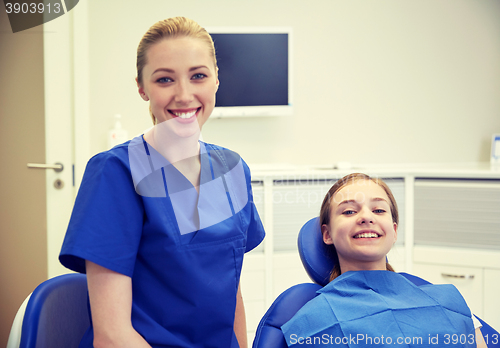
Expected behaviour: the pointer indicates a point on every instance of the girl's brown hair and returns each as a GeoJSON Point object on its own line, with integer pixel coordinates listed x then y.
{"type": "Point", "coordinates": [324, 215]}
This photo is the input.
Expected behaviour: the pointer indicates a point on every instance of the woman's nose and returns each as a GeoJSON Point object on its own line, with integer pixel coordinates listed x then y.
{"type": "Point", "coordinates": [183, 93]}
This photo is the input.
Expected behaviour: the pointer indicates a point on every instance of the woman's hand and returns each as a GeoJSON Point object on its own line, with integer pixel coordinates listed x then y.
{"type": "Point", "coordinates": [480, 340]}
{"type": "Point", "coordinates": [240, 323]}
{"type": "Point", "coordinates": [110, 295]}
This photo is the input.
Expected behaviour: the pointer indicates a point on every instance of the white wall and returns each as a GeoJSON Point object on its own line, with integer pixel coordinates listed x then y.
{"type": "Point", "coordinates": [385, 81]}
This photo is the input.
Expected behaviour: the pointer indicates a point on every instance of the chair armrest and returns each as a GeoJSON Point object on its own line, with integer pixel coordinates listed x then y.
{"type": "Point", "coordinates": [269, 334]}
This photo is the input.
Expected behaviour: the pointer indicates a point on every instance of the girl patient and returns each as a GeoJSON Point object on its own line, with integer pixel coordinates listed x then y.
{"type": "Point", "coordinates": [367, 304]}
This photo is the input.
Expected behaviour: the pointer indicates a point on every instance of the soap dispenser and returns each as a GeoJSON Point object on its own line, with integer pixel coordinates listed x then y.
{"type": "Point", "coordinates": [117, 135]}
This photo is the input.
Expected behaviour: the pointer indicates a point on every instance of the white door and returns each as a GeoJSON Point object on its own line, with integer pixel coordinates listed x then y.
{"type": "Point", "coordinates": [36, 113]}
{"type": "Point", "coordinates": [59, 133]}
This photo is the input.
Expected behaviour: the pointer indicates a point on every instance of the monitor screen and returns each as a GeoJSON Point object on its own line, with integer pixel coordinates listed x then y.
{"type": "Point", "coordinates": [254, 72]}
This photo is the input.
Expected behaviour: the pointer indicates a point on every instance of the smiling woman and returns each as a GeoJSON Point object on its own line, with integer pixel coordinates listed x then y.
{"type": "Point", "coordinates": [178, 27]}
{"type": "Point", "coordinates": [161, 222]}
{"type": "Point", "coordinates": [180, 82]}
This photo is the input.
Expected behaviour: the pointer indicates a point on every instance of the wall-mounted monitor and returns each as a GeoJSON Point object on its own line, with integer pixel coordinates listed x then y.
{"type": "Point", "coordinates": [255, 71]}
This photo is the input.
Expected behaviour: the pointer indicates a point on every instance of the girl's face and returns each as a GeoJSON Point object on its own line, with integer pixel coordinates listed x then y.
{"type": "Point", "coordinates": [180, 82]}
{"type": "Point", "coordinates": [361, 226]}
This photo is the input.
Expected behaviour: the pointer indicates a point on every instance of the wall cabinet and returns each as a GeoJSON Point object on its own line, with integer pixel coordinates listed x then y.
{"type": "Point", "coordinates": [449, 232]}
{"type": "Point", "coordinates": [476, 273]}
{"type": "Point", "coordinates": [457, 238]}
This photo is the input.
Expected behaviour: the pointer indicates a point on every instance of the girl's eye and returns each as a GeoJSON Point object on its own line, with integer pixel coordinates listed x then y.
{"type": "Point", "coordinates": [348, 212]}
{"type": "Point", "coordinates": [199, 76]}
{"type": "Point", "coordinates": [379, 211]}
{"type": "Point", "coordinates": [164, 80]}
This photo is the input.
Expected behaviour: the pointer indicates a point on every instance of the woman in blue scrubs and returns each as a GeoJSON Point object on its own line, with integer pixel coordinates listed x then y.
{"type": "Point", "coordinates": [161, 223]}
{"type": "Point", "coordinates": [366, 303]}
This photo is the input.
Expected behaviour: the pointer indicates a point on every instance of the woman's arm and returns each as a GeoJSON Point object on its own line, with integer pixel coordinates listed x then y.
{"type": "Point", "coordinates": [479, 339]}
{"type": "Point", "coordinates": [110, 295]}
{"type": "Point", "coordinates": [240, 323]}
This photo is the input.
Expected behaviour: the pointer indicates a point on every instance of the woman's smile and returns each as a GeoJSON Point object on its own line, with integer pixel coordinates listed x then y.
{"type": "Point", "coordinates": [185, 115]}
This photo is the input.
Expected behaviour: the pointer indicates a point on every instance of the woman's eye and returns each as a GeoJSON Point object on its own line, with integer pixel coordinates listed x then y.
{"type": "Point", "coordinates": [164, 80]}
{"type": "Point", "coordinates": [199, 76]}
{"type": "Point", "coordinates": [348, 212]}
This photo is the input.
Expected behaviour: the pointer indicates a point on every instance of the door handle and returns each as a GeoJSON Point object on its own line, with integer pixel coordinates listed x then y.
{"type": "Point", "coordinates": [58, 167]}
{"type": "Point", "coordinates": [458, 276]}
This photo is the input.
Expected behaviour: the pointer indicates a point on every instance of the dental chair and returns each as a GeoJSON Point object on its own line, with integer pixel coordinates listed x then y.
{"type": "Point", "coordinates": [318, 265]}
{"type": "Point", "coordinates": [54, 315]}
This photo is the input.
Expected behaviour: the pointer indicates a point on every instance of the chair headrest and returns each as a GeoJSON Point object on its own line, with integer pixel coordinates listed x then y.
{"type": "Point", "coordinates": [314, 253]}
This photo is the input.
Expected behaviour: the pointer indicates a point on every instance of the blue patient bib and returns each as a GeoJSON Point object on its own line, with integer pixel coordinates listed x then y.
{"type": "Point", "coordinates": [382, 309]}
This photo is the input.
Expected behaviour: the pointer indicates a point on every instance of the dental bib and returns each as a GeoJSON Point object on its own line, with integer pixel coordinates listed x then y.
{"type": "Point", "coordinates": [381, 309]}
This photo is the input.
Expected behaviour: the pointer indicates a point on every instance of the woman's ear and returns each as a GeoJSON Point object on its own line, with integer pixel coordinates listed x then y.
{"type": "Point", "coordinates": [141, 91]}
{"type": "Point", "coordinates": [327, 238]}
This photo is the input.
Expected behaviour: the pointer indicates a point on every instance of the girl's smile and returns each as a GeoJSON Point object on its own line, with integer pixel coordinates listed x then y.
{"type": "Point", "coordinates": [367, 234]}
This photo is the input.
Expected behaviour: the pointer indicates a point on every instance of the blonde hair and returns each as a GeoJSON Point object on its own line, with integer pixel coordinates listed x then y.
{"type": "Point", "coordinates": [171, 28]}
{"type": "Point", "coordinates": [324, 215]}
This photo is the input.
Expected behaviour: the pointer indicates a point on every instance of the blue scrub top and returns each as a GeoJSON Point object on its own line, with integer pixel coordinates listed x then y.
{"type": "Point", "coordinates": [137, 215]}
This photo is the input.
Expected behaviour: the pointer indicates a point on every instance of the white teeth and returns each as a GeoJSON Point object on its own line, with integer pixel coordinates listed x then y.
{"type": "Point", "coordinates": [185, 114]}
{"type": "Point", "coordinates": [366, 235]}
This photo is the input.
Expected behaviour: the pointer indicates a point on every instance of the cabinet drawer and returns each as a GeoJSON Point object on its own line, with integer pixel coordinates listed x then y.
{"type": "Point", "coordinates": [457, 213]}
{"type": "Point", "coordinates": [468, 280]}
{"type": "Point", "coordinates": [293, 206]}
{"type": "Point", "coordinates": [491, 298]}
